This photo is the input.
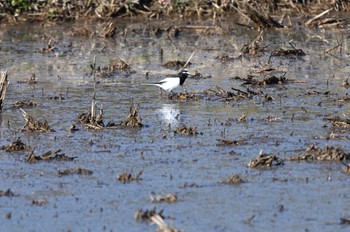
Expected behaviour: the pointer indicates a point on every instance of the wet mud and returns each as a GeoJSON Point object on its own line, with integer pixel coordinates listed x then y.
{"type": "Point", "coordinates": [257, 138]}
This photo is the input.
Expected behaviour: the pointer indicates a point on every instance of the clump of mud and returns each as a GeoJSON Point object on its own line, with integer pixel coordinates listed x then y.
{"type": "Point", "coordinates": [233, 180]}
{"type": "Point", "coordinates": [32, 125]}
{"type": "Point", "coordinates": [265, 161]}
{"type": "Point", "coordinates": [49, 156]}
{"type": "Point", "coordinates": [126, 177]}
{"type": "Point", "coordinates": [328, 153]}
{"type": "Point", "coordinates": [17, 145]}
{"type": "Point", "coordinates": [79, 171]}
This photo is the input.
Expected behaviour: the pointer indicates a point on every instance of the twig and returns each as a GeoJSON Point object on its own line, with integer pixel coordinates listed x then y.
{"type": "Point", "coordinates": [188, 61]}
{"type": "Point", "coordinates": [318, 16]}
{"type": "Point", "coordinates": [4, 82]}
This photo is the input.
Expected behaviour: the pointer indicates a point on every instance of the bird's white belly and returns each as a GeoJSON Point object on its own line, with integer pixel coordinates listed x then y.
{"type": "Point", "coordinates": [169, 84]}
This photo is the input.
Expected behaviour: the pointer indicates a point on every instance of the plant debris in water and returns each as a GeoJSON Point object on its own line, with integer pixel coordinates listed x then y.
{"type": "Point", "coordinates": [17, 145]}
{"type": "Point", "coordinates": [226, 142]}
{"type": "Point", "coordinates": [133, 120]}
{"type": "Point", "coordinates": [224, 95]}
{"type": "Point", "coordinates": [114, 66]}
{"type": "Point", "coordinates": [184, 96]}
{"type": "Point", "coordinates": [339, 122]}
{"type": "Point", "coordinates": [162, 226]}
{"type": "Point", "coordinates": [79, 171]}
{"type": "Point", "coordinates": [40, 202]}
{"type": "Point", "coordinates": [233, 180]}
{"type": "Point", "coordinates": [265, 161]}
{"type": "Point", "coordinates": [4, 82]}
{"type": "Point", "coordinates": [8, 193]}
{"type": "Point", "coordinates": [31, 80]}
{"type": "Point", "coordinates": [176, 64]}
{"type": "Point", "coordinates": [184, 130]}
{"type": "Point", "coordinates": [345, 221]}
{"type": "Point", "coordinates": [145, 215]}
{"type": "Point", "coordinates": [49, 156]}
{"type": "Point", "coordinates": [288, 52]}
{"type": "Point", "coordinates": [24, 103]}
{"type": "Point", "coordinates": [126, 177]}
{"type": "Point", "coordinates": [168, 198]}
{"type": "Point", "coordinates": [328, 153]}
{"type": "Point", "coordinates": [33, 125]}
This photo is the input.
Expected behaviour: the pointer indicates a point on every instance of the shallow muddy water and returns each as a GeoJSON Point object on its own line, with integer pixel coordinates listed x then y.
{"type": "Point", "coordinates": [308, 196]}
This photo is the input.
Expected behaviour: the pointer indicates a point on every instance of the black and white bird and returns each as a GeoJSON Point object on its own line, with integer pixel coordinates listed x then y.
{"type": "Point", "coordinates": [170, 83]}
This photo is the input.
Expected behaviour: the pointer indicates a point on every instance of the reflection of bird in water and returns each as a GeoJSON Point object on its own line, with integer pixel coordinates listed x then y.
{"type": "Point", "coordinates": [170, 83]}
{"type": "Point", "coordinates": [169, 114]}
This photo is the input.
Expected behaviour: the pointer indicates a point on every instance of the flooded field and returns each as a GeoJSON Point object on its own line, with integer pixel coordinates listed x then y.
{"type": "Point", "coordinates": [201, 146]}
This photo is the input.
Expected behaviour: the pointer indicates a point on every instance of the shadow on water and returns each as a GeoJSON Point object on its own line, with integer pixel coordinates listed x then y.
{"type": "Point", "coordinates": [289, 197]}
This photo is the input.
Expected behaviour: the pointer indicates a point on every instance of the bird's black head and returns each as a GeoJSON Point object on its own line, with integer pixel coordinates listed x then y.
{"type": "Point", "coordinates": [183, 75]}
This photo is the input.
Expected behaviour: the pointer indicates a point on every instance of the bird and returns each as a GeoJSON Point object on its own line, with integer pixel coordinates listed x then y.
{"type": "Point", "coordinates": [170, 83]}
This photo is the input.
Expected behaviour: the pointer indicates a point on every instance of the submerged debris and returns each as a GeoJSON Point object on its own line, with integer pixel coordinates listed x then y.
{"type": "Point", "coordinates": [126, 177]}
{"type": "Point", "coordinates": [49, 156]}
{"type": "Point", "coordinates": [328, 153]}
{"type": "Point", "coordinates": [133, 120]}
{"type": "Point", "coordinates": [265, 161]}
{"type": "Point", "coordinates": [233, 180]}
{"type": "Point", "coordinates": [147, 214]}
{"type": "Point", "coordinates": [8, 193]}
{"type": "Point", "coordinates": [168, 198]}
{"type": "Point", "coordinates": [226, 142]}
{"type": "Point", "coordinates": [184, 130]}
{"type": "Point", "coordinates": [24, 103]}
{"type": "Point", "coordinates": [4, 82]}
{"type": "Point", "coordinates": [17, 145]}
{"type": "Point", "coordinates": [79, 171]}
{"type": "Point", "coordinates": [33, 125]}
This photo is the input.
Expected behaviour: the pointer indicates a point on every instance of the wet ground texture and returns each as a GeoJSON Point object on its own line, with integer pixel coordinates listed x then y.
{"type": "Point", "coordinates": [256, 139]}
